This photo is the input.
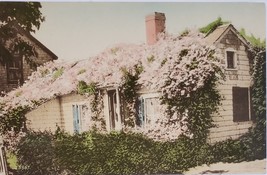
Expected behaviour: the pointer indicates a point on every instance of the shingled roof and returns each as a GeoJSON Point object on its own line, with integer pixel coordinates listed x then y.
{"type": "Point", "coordinates": [219, 32]}
{"type": "Point", "coordinates": [36, 41]}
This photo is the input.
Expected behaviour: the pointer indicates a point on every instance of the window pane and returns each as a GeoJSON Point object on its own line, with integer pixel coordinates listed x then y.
{"type": "Point", "coordinates": [75, 118]}
{"type": "Point", "coordinates": [230, 59]}
{"type": "Point", "coordinates": [14, 71]}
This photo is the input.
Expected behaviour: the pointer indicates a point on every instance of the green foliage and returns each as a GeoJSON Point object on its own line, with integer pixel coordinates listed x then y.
{"type": "Point", "coordinates": [249, 147]}
{"type": "Point", "coordinates": [113, 153]}
{"type": "Point", "coordinates": [129, 93]}
{"type": "Point", "coordinates": [212, 26]}
{"type": "Point", "coordinates": [129, 87]}
{"type": "Point", "coordinates": [18, 93]}
{"type": "Point", "coordinates": [58, 73]}
{"type": "Point", "coordinates": [84, 88]}
{"type": "Point", "coordinates": [97, 106]}
{"type": "Point", "coordinates": [36, 154]}
{"type": "Point", "coordinates": [163, 61]}
{"type": "Point", "coordinates": [125, 153]}
{"type": "Point", "coordinates": [114, 50]}
{"type": "Point", "coordinates": [26, 14]}
{"type": "Point", "coordinates": [259, 100]}
{"type": "Point", "coordinates": [201, 105]}
{"type": "Point", "coordinates": [12, 160]}
{"type": "Point", "coordinates": [44, 72]}
{"type": "Point", "coordinates": [151, 58]}
{"type": "Point", "coordinates": [176, 157]}
{"type": "Point", "coordinates": [16, 16]}
{"type": "Point", "coordinates": [184, 33]}
{"type": "Point", "coordinates": [81, 71]}
{"type": "Point", "coordinates": [14, 120]}
{"type": "Point", "coordinates": [256, 42]}
{"type": "Point", "coordinates": [259, 84]}
{"type": "Point", "coordinates": [227, 151]}
{"type": "Point", "coordinates": [183, 52]}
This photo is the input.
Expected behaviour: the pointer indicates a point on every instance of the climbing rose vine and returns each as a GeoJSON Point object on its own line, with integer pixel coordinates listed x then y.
{"type": "Point", "coordinates": [174, 66]}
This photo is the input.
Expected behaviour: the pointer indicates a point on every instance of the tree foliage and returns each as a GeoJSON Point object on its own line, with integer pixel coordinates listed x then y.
{"type": "Point", "coordinates": [255, 42]}
{"type": "Point", "coordinates": [14, 17]}
{"type": "Point", "coordinates": [212, 26]}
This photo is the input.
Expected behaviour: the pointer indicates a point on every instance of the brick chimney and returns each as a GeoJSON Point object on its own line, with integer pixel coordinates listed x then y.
{"type": "Point", "coordinates": [155, 24]}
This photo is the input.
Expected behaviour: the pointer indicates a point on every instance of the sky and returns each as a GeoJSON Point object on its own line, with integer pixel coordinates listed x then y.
{"type": "Point", "coordinates": [80, 30]}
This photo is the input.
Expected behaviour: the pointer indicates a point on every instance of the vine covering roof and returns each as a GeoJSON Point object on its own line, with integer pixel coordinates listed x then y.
{"type": "Point", "coordinates": [177, 59]}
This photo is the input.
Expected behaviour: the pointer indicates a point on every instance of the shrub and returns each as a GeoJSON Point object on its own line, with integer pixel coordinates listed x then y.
{"type": "Point", "coordinates": [58, 73]}
{"type": "Point", "coordinates": [35, 154]}
{"type": "Point", "coordinates": [84, 88]}
{"type": "Point", "coordinates": [124, 153]}
{"type": "Point", "coordinates": [114, 153]}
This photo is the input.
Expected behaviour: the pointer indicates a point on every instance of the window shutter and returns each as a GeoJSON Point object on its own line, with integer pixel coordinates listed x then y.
{"type": "Point", "coordinates": [240, 104]}
{"type": "Point", "coordinates": [141, 111]}
{"type": "Point", "coordinates": [75, 118]}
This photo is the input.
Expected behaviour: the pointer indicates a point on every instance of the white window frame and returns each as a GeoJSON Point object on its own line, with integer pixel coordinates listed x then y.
{"type": "Point", "coordinates": [79, 104]}
{"type": "Point", "coordinates": [235, 58]}
{"type": "Point", "coordinates": [145, 97]}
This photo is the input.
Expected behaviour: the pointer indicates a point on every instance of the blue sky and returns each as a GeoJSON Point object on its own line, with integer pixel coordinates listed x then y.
{"type": "Point", "coordinates": [83, 29]}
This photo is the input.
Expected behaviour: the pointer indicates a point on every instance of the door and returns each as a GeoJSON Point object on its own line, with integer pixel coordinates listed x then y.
{"type": "Point", "coordinates": [112, 104]}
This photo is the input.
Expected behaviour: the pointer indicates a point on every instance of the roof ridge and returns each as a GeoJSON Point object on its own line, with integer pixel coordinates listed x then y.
{"type": "Point", "coordinates": [224, 25]}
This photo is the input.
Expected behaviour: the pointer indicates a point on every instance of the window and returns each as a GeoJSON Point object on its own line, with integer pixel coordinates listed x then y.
{"type": "Point", "coordinates": [148, 110]}
{"type": "Point", "coordinates": [231, 61]}
{"type": "Point", "coordinates": [14, 71]}
{"type": "Point", "coordinates": [79, 117]}
{"type": "Point", "coordinates": [242, 107]}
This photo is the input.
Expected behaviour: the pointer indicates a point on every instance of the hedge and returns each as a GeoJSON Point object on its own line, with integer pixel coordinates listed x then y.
{"type": "Point", "coordinates": [124, 153]}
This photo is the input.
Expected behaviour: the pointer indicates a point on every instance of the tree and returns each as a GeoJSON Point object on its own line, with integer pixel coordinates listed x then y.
{"type": "Point", "coordinates": [212, 26]}
{"type": "Point", "coordinates": [14, 17]}
{"type": "Point", "coordinates": [255, 42]}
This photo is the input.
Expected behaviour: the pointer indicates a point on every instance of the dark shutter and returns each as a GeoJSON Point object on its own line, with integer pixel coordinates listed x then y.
{"type": "Point", "coordinates": [240, 104]}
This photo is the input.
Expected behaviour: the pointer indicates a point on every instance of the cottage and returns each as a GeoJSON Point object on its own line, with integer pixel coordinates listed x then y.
{"type": "Point", "coordinates": [236, 110]}
{"type": "Point", "coordinates": [16, 70]}
{"type": "Point", "coordinates": [101, 80]}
